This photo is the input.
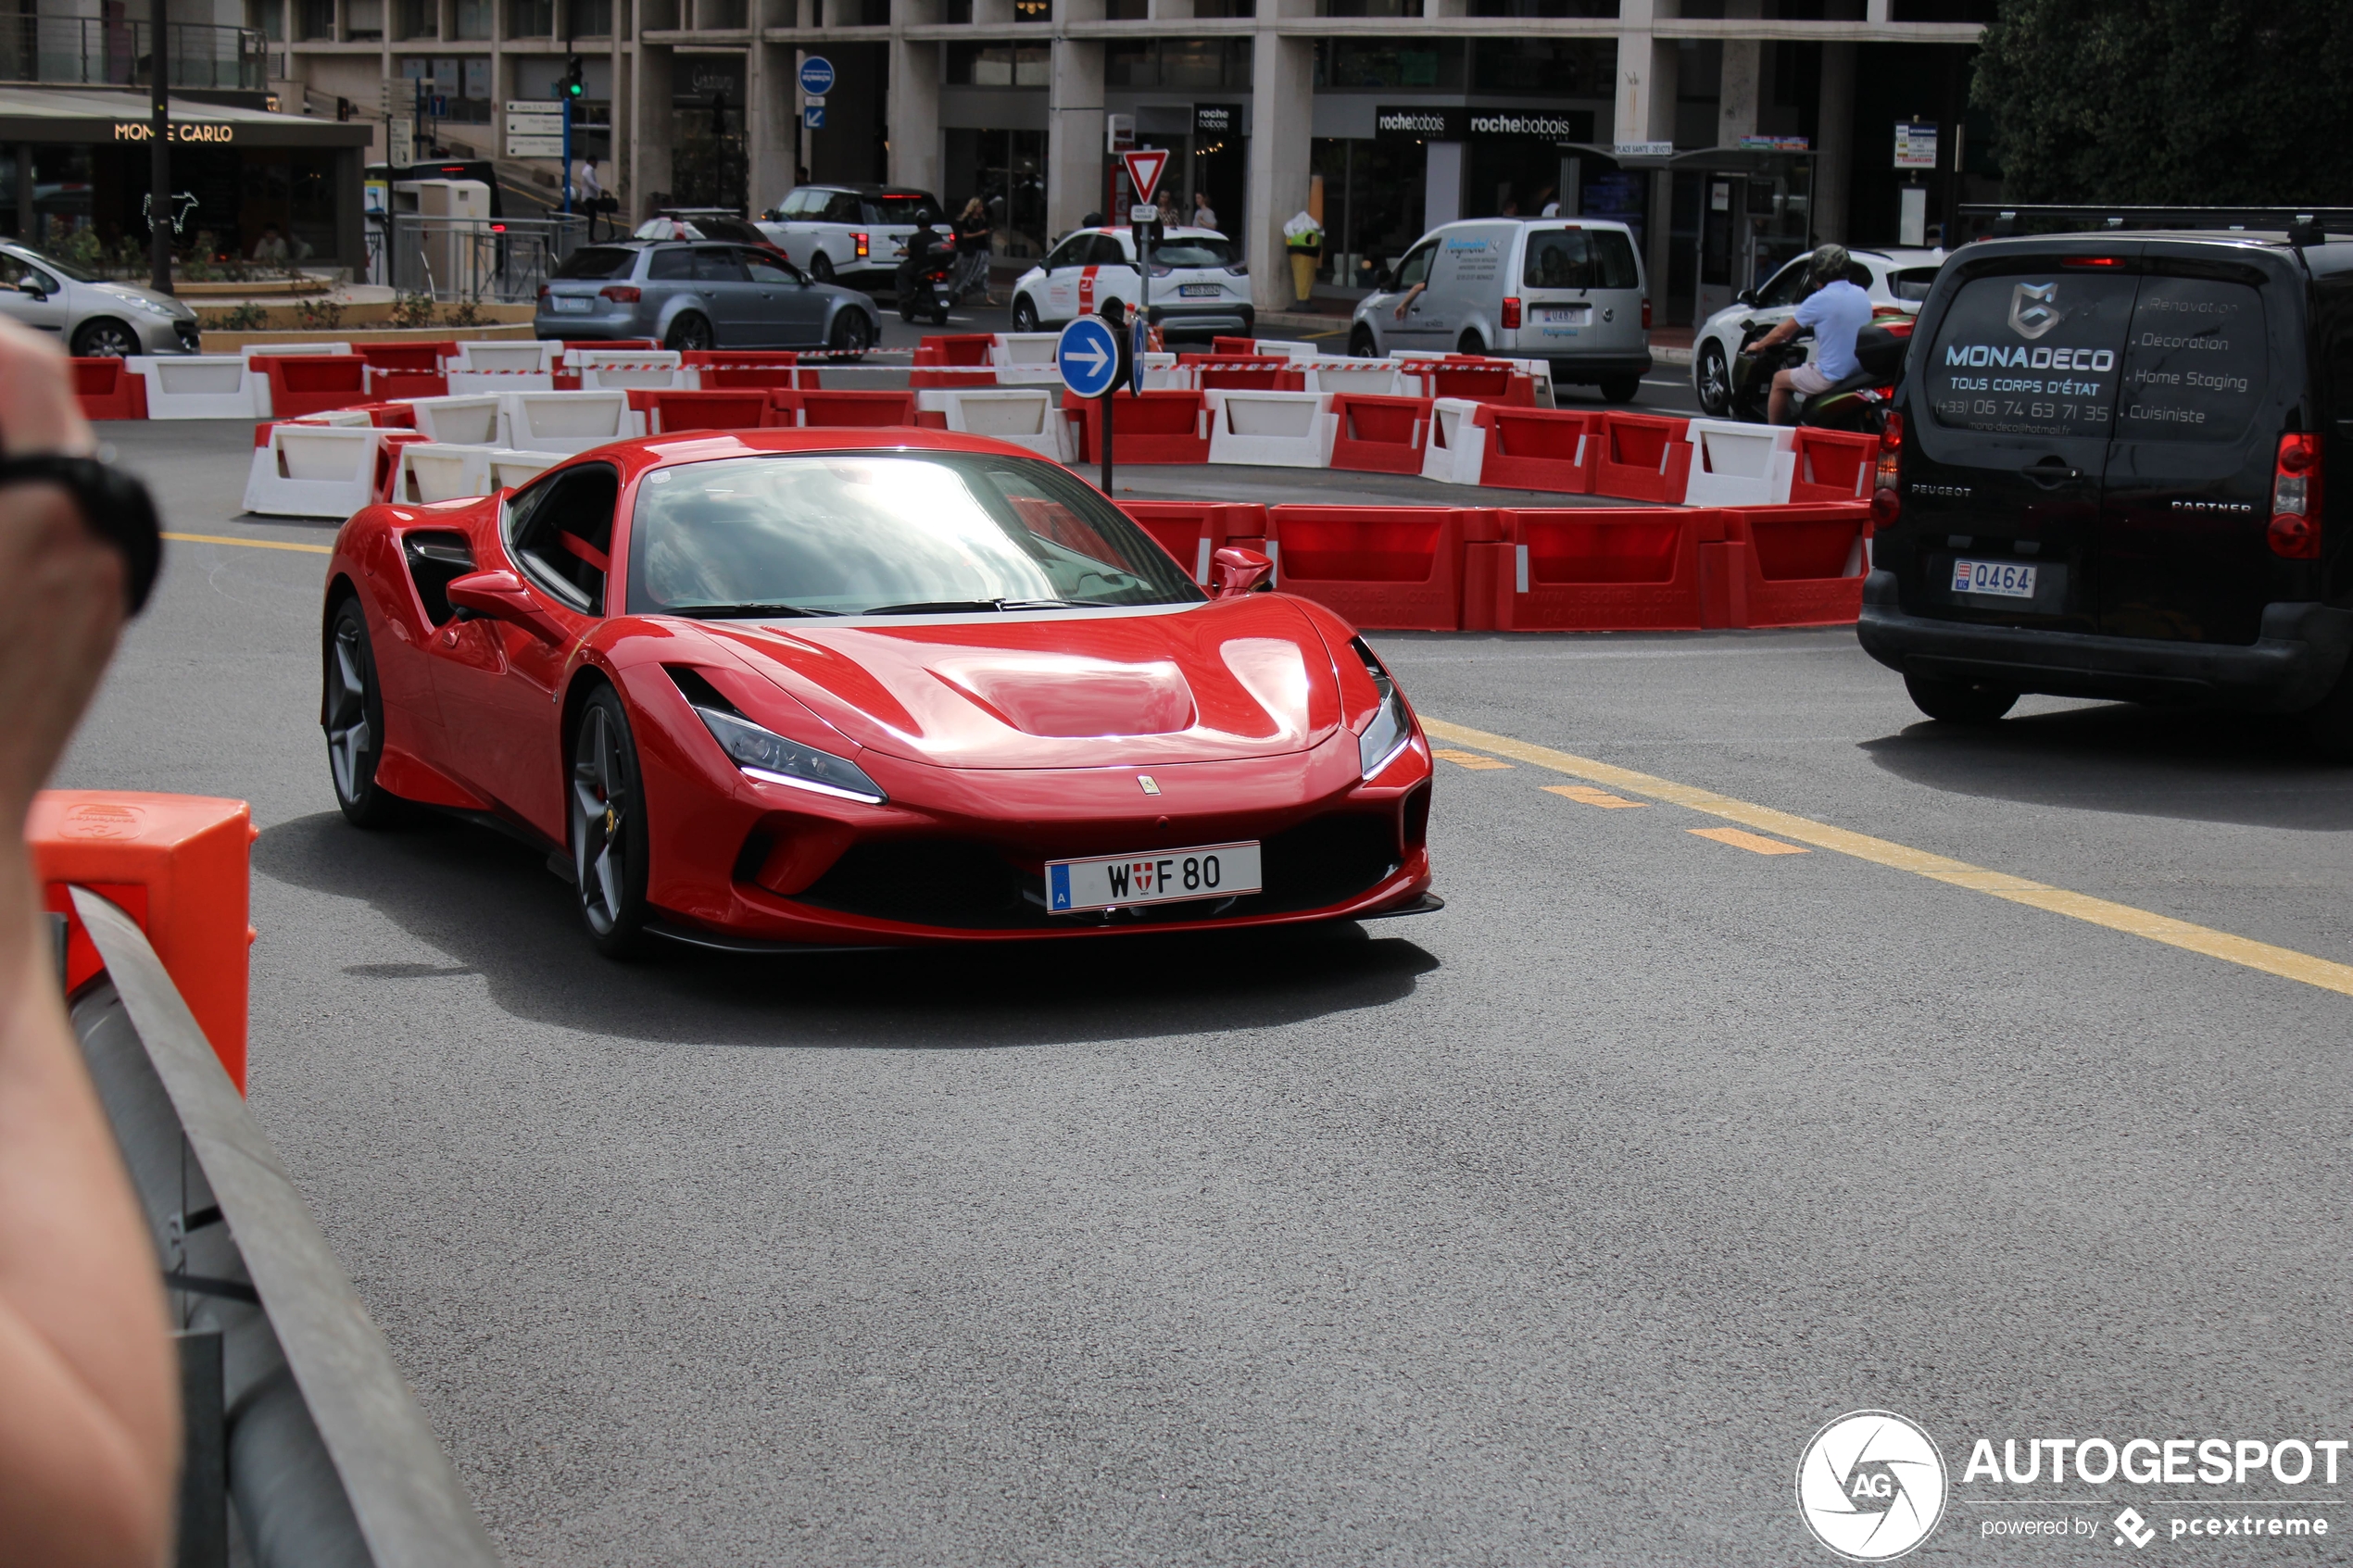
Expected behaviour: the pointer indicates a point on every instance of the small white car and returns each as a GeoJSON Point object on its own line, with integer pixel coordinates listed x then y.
{"type": "Point", "coordinates": [1570, 291]}
{"type": "Point", "coordinates": [855, 234]}
{"type": "Point", "coordinates": [1898, 278]}
{"type": "Point", "coordinates": [1199, 285]}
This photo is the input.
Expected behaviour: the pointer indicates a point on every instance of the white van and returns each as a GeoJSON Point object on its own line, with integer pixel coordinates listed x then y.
{"type": "Point", "coordinates": [1567, 290]}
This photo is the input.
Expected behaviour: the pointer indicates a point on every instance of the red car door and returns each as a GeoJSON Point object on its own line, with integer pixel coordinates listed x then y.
{"type": "Point", "coordinates": [497, 680]}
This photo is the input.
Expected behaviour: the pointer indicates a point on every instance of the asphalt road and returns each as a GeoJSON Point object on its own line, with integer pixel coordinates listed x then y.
{"type": "Point", "coordinates": [1543, 1230]}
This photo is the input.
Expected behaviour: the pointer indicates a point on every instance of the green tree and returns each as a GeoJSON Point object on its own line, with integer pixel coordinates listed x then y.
{"type": "Point", "coordinates": [2214, 102]}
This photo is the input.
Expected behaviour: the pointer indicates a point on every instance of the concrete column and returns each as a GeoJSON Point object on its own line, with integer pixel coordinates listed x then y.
{"type": "Point", "coordinates": [649, 147]}
{"type": "Point", "coordinates": [1074, 135]}
{"type": "Point", "coordinates": [1282, 95]}
{"type": "Point", "coordinates": [764, 73]}
{"type": "Point", "coordinates": [1834, 145]}
{"type": "Point", "coordinates": [1737, 102]}
{"type": "Point", "coordinates": [914, 115]}
{"type": "Point", "coordinates": [1441, 184]}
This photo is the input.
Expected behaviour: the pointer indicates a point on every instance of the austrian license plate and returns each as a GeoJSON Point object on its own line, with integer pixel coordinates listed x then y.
{"type": "Point", "coordinates": [572, 304]}
{"type": "Point", "coordinates": [1199, 290]}
{"type": "Point", "coordinates": [2007, 578]}
{"type": "Point", "coordinates": [1158, 876]}
{"type": "Point", "coordinates": [1572, 315]}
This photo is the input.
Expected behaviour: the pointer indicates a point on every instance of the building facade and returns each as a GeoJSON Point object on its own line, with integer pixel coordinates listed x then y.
{"type": "Point", "coordinates": [1729, 134]}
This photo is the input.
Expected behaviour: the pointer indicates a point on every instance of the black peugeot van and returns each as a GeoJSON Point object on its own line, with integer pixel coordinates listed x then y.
{"type": "Point", "coordinates": [2103, 478]}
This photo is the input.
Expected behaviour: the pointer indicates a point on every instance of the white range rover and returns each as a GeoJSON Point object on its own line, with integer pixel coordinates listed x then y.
{"type": "Point", "coordinates": [1200, 284]}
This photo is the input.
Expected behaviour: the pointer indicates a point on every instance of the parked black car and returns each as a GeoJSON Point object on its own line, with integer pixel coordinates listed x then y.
{"type": "Point", "coordinates": [2102, 478]}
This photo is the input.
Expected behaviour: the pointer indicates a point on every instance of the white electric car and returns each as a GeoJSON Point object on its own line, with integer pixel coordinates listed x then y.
{"type": "Point", "coordinates": [1898, 278]}
{"type": "Point", "coordinates": [1200, 284]}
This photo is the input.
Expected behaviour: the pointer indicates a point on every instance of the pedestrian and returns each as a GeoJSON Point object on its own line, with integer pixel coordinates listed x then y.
{"type": "Point", "coordinates": [1205, 214]}
{"type": "Point", "coordinates": [588, 191]}
{"type": "Point", "coordinates": [975, 236]}
{"type": "Point", "coordinates": [90, 1426]}
{"type": "Point", "coordinates": [270, 249]}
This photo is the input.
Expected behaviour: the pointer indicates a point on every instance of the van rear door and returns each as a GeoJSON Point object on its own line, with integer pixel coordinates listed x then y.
{"type": "Point", "coordinates": [2014, 398]}
{"type": "Point", "coordinates": [1581, 293]}
{"type": "Point", "coordinates": [2212, 367]}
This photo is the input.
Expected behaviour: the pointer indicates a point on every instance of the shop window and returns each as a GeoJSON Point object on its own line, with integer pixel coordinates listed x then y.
{"type": "Point", "coordinates": [998, 64]}
{"type": "Point", "coordinates": [1372, 206]}
{"type": "Point", "coordinates": [1007, 170]}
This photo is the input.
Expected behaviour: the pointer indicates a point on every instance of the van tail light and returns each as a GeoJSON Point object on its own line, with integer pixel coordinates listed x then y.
{"type": "Point", "coordinates": [622, 294]}
{"type": "Point", "coordinates": [1646, 315]}
{"type": "Point", "coordinates": [2295, 499]}
{"type": "Point", "coordinates": [1887, 495]}
{"type": "Point", "coordinates": [542, 291]}
{"type": "Point", "coordinates": [1511, 313]}
{"type": "Point", "coordinates": [858, 238]}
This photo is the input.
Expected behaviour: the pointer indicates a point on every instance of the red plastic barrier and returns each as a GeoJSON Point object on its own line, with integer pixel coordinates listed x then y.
{"type": "Point", "coordinates": [1379, 434]}
{"type": "Point", "coordinates": [842, 409]}
{"type": "Point", "coordinates": [955, 348]}
{"type": "Point", "coordinates": [388, 415]}
{"type": "Point", "coordinates": [1601, 568]}
{"type": "Point", "coordinates": [572, 342]}
{"type": "Point", "coordinates": [1159, 427]}
{"type": "Point", "coordinates": [697, 358]}
{"type": "Point", "coordinates": [954, 377]}
{"type": "Point", "coordinates": [671, 412]}
{"type": "Point", "coordinates": [1383, 568]}
{"type": "Point", "coordinates": [312, 383]}
{"type": "Point", "coordinates": [108, 390]}
{"type": "Point", "coordinates": [176, 864]}
{"type": "Point", "coordinates": [1481, 380]}
{"type": "Point", "coordinates": [406, 384]}
{"type": "Point", "coordinates": [407, 355]}
{"type": "Point", "coordinates": [1833, 465]}
{"type": "Point", "coordinates": [1540, 448]}
{"type": "Point", "coordinates": [389, 460]}
{"type": "Point", "coordinates": [1193, 530]}
{"type": "Point", "coordinates": [728, 378]}
{"type": "Point", "coordinates": [1258, 375]}
{"type": "Point", "coordinates": [1642, 458]}
{"type": "Point", "coordinates": [1788, 566]}
{"type": "Point", "coordinates": [1233, 345]}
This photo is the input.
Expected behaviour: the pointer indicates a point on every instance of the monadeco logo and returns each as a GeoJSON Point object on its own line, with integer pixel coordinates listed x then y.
{"type": "Point", "coordinates": [2034, 310]}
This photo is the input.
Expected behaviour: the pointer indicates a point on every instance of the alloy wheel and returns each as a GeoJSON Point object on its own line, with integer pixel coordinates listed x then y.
{"type": "Point", "coordinates": [105, 339]}
{"type": "Point", "coordinates": [351, 737]}
{"type": "Point", "coordinates": [600, 821]}
{"type": "Point", "coordinates": [1714, 383]}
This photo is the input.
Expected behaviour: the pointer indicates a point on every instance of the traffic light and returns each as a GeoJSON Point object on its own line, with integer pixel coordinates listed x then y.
{"type": "Point", "coordinates": [573, 87]}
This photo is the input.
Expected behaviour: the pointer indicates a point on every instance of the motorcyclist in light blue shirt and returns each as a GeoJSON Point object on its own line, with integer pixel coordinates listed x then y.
{"type": "Point", "coordinates": [1837, 310]}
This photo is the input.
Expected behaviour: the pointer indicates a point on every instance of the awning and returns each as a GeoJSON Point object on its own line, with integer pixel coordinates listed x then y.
{"type": "Point", "coordinates": [64, 114]}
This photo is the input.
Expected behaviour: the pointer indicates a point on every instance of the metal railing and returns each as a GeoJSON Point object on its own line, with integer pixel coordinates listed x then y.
{"type": "Point", "coordinates": [295, 1406]}
{"type": "Point", "coordinates": [97, 52]}
{"type": "Point", "coordinates": [474, 261]}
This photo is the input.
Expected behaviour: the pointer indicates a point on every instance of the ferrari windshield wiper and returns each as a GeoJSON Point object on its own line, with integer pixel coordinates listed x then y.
{"type": "Point", "coordinates": [741, 611]}
{"type": "Point", "coordinates": [953, 607]}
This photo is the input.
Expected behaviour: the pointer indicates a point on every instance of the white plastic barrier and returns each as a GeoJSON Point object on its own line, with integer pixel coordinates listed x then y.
{"type": "Point", "coordinates": [1457, 449]}
{"type": "Point", "coordinates": [1026, 417]}
{"type": "Point", "coordinates": [469, 422]}
{"type": "Point", "coordinates": [1374, 378]}
{"type": "Point", "coordinates": [504, 366]}
{"type": "Point", "coordinates": [1732, 465]}
{"type": "Point", "coordinates": [281, 349]}
{"type": "Point", "coordinates": [433, 471]}
{"type": "Point", "coordinates": [1275, 428]}
{"type": "Point", "coordinates": [566, 421]}
{"type": "Point", "coordinates": [1159, 374]}
{"type": "Point", "coordinates": [313, 470]}
{"type": "Point", "coordinates": [657, 368]}
{"type": "Point", "coordinates": [508, 470]}
{"type": "Point", "coordinates": [198, 386]}
{"type": "Point", "coordinates": [1290, 348]}
{"type": "Point", "coordinates": [1028, 349]}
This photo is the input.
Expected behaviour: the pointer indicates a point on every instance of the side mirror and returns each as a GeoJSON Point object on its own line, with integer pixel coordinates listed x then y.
{"type": "Point", "coordinates": [1234, 571]}
{"type": "Point", "coordinates": [501, 595]}
{"type": "Point", "coordinates": [1384, 280]}
{"type": "Point", "coordinates": [1746, 297]}
{"type": "Point", "coordinates": [32, 286]}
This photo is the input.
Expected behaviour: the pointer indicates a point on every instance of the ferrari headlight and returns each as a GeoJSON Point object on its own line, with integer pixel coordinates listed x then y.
{"type": "Point", "coordinates": [1392, 726]}
{"type": "Point", "coordinates": [769, 756]}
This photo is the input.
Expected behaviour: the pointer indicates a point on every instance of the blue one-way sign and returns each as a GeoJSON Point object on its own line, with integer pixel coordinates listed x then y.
{"type": "Point", "coordinates": [1087, 355]}
{"type": "Point", "coordinates": [816, 75]}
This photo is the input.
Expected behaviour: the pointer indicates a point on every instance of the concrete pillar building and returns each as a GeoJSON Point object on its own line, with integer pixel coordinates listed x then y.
{"type": "Point", "coordinates": [1729, 134]}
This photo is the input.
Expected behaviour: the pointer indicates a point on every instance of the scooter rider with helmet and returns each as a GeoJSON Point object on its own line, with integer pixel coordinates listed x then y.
{"type": "Point", "coordinates": [930, 249]}
{"type": "Point", "coordinates": [1837, 310]}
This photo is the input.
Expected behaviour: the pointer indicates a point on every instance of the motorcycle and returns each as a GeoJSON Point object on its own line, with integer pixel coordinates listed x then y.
{"type": "Point", "coordinates": [1861, 402]}
{"type": "Point", "coordinates": [926, 281]}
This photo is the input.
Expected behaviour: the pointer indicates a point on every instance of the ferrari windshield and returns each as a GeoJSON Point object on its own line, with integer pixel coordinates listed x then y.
{"type": "Point", "coordinates": [894, 532]}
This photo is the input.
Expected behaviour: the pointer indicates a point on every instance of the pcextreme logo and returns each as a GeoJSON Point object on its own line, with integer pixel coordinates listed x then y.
{"type": "Point", "coordinates": [1872, 1485]}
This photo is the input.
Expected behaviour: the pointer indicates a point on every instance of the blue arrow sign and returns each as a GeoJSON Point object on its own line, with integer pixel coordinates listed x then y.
{"type": "Point", "coordinates": [816, 75]}
{"type": "Point", "coordinates": [1087, 355]}
{"type": "Point", "coordinates": [813, 116]}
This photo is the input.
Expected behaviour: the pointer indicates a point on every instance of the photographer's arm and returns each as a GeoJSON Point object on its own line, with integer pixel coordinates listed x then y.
{"type": "Point", "coordinates": [89, 1422]}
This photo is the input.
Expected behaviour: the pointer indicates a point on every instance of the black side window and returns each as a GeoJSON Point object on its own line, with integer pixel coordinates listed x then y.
{"type": "Point", "coordinates": [560, 531]}
{"type": "Point", "coordinates": [671, 265]}
{"type": "Point", "coordinates": [1105, 252]}
{"type": "Point", "coordinates": [845, 207]}
{"type": "Point", "coordinates": [1067, 253]}
{"type": "Point", "coordinates": [1784, 287]}
{"type": "Point", "coordinates": [1415, 268]}
{"type": "Point", "coordinates": [718, 264]}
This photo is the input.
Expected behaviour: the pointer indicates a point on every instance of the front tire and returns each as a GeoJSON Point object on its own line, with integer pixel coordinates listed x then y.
{"type": "Point", "coordinates": [1025, 314]}
{"type": "Point", "coordinates": [1621, 389]}
{"type": "Point", "coordinates": [851, 335]}
{"type": "Point", "coordinates": [105, 338]}
{"type": "Point", "coordinates": [1361, 344]}
{"type": "Point", "coordinates": [1959, 702]}
{"type": "Point", "coordinates": [609, 828]}
{"type": "Point", "coordinates": [353, 716]}
{"type": "Point", "coordinates": [691, 331]}
{"type": "Point", "coordinates": [1713, 384]}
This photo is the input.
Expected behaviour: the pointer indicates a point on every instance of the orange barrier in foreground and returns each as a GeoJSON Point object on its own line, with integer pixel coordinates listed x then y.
{"type": "Point", "coordinates": [177, 865]}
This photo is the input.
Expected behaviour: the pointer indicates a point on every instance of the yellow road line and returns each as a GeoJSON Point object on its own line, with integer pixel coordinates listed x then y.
{"type": "Point", "coordinates": [2285, 962]}
{"type": "Point", "coordinates": [250, 543]}
{"type": "Point", "coordinates": [1592, 796]}
{"type": "Point", "coordinates": [1756, 844]}
{"type": "Point", "coordinates": [1470, 759]}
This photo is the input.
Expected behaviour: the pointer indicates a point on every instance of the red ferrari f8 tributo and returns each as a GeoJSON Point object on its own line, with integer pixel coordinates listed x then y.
{"type": "Point", "coordinates": [789, 689]}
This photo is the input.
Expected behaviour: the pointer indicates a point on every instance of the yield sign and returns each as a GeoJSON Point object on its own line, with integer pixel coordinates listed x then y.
{"type": "Point", "coordinates": [1144, 170]}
